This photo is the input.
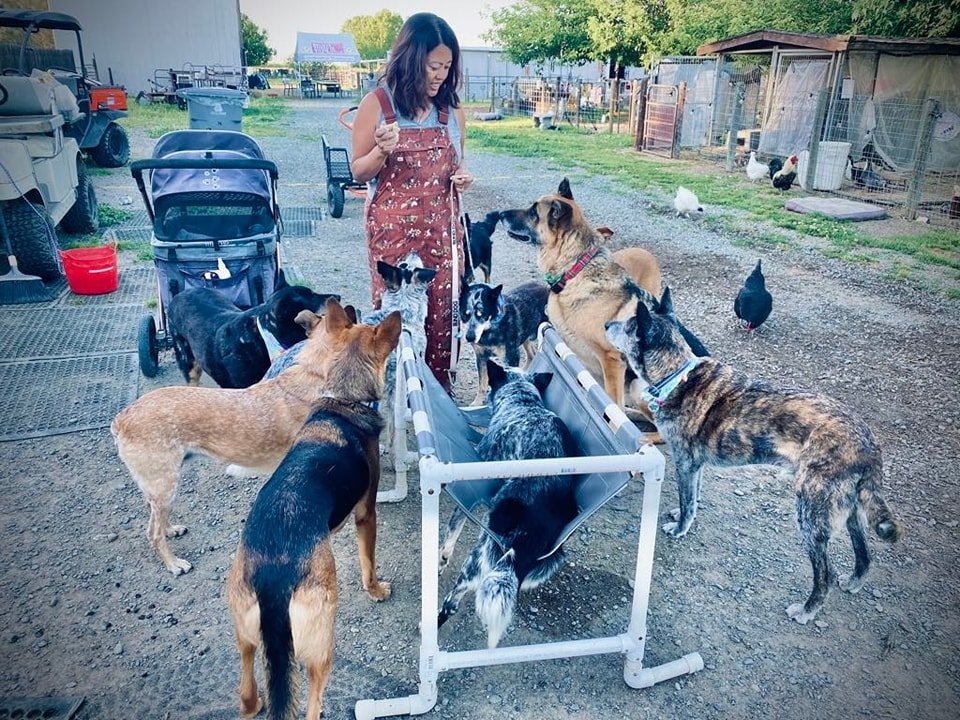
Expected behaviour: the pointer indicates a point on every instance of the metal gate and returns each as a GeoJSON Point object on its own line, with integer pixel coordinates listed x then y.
{"type": "Point", "coordinates": [664, 108]}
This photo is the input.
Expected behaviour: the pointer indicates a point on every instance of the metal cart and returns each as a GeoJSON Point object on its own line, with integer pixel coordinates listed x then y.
{"type": "Point", "coordinates": [339, 176]}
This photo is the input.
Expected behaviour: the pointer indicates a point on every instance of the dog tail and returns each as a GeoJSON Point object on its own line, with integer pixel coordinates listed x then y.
{"type": "Point", "coordinates": [881, 519]}
{"type": "Point", "coordinates": [273, 589]}
{"type": "Point", "coordinates": [497, 598]}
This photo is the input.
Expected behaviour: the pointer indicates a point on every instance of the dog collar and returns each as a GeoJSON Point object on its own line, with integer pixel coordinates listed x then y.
{"type": "Point", "coordinates": [274, 348]}
{"type": "Point", "coordinates": [656, 395]}
{"type": "Point", "coordinates": [558, 282]}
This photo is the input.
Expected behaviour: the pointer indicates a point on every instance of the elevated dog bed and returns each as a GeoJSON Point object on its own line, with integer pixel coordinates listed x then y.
{"type": "Point", "coordinates": [611, 455]}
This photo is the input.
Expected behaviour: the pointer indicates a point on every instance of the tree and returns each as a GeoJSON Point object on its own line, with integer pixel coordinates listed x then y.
{"type": "Point", "coordinates": [625, 31]}
{"type": "Point", "coordinates": [374, 34]}
{"type": "Point", "coordinates": [255, 48]}
{"type": "Point", "coordinates": [916, 18]}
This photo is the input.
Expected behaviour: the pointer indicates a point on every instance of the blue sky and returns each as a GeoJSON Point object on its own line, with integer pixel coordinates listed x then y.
{"type": "Point", "coordinates": [282, 19]}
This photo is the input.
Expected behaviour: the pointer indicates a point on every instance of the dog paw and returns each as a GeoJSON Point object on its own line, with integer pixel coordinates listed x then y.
{"type": "Point", "coordinates": [379, 592]}
{"type": "Point", "coordinates": [248, 712]}
{"type": "Point", "coordinates": [238, 471]}
{"type": "Point", "coordinates": [671, 528]}
{"type": "Point", "coordinates": [852, 584]}
{"type": "Point", "coordinates": [176, 531]}
{"type": "Point", "coordinates": [674, 514]}
{"type": "Point", "coordinates": [179, 566]}
{"type": "Point", "coordinates": [797, 612]}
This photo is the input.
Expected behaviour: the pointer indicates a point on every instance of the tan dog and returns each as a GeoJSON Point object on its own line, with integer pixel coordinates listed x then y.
{"type": "Point", "coordinates": [641, 265]}
{"type": "Point", "coordinates": [589, 286]}
{"type": "Point", "coordinates": [282, 590]}
{"type": "Point", "coordinates": [252, 428]}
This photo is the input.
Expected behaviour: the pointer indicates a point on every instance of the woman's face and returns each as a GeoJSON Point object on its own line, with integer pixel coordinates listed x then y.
{"type": "Point", "coordinates": [438, 66]}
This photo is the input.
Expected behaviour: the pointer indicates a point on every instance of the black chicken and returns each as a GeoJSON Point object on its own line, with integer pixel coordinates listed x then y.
{"type": "Point", "coordinates": [866, 177]}
{"type": "Point", "coordinates": [785, 176]}
{"type": "Point", "coordinates": [753, 302]}
{"type": "Point", "coordinates": [774, 166]}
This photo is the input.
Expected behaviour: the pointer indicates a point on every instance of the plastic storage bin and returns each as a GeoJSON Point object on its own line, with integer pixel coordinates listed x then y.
{"type": "Point", "coordinates": [214, 108]}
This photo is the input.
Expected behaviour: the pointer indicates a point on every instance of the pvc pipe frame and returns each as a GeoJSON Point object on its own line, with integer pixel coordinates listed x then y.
{"type": "Point", "coordinates": [433, 475]}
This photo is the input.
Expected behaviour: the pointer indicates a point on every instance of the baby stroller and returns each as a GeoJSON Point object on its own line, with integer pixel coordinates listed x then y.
{"type": "Point", "coordinates": [212, 200]}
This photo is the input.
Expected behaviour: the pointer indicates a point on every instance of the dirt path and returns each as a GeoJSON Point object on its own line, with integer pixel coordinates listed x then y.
{"type": "Point", "coordinates": [88, 610]}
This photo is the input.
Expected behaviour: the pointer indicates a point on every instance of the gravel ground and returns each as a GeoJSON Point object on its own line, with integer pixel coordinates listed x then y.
{"type": "Point", "coordinates": [87, 609]}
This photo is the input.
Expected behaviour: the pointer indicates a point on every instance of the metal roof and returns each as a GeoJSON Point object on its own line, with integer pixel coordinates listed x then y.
{"type": "Point", "coordinates": [44, 20]}
{"type": "Point", "coordinates": [765, 40]}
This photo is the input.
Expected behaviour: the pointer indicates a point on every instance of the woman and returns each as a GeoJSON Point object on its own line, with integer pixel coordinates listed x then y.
{"type": "Point", "coordinates": [408, 145]}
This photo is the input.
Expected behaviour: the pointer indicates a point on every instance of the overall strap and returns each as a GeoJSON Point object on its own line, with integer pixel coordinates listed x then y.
{"type": "Point", "coordinates": [385, 106]}
{"type": "Point", "coordinates": [444, 114]}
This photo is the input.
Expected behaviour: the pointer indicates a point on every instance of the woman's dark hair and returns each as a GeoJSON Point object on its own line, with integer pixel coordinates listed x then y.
{"type": "Point", "coordinates": [406, 72]}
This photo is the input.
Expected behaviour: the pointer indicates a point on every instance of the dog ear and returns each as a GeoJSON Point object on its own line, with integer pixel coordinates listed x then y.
{"type": "Point", "coordinates": [644, 321]}
{"type": "Point", "coordinates": [335, 318]}
{"type": "Point", "coordinates": [495, 374]}
{"type": "Point", "coordinates": [281, 281]}
{"type": "Point", "coordinates": [558, 212]}
{"type": "Point", "coordinates": [308, 320]}
{"type": "Point", "coordinates": [422, 276]}
{"type": "Point", "coordinates": [351, 312]}
{"type": "Point", "coordinates": [564, 189]}
{"type": "Point", "coordinates": [606, 232]}
{"type": "Point", "coordinates": [387, 333]}
{"type": "Point", "coordinates": [666, 303]}
{"type": "Point", "coordinates": [541, 380]}
{"type": "Point", "coordinates": [392, 276]}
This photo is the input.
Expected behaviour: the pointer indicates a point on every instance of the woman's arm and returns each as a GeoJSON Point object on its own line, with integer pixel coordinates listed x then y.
{"type": "Point", "coordinates": [462, 177]}
{"type": "Point", "coordinates": [371, 144]}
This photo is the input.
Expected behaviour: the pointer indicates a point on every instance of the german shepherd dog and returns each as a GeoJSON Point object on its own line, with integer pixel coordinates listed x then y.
{"type": "Point", "coordinates": [252, 428]}
{"type": "Point", "coordinates": [712, 414]}
{"type": "Point", "coordinates": [498, 324]}
{"type": "Point", "coordinates": [588, 286]}
{"type": "Point", "coordinates": [481, 244]}
{"type": "Point", "coordinates": [234, 347]}
{"type": "Point", "coordinates": [282, 589]}
{"type": "Point", "coordinates": [528, 514]}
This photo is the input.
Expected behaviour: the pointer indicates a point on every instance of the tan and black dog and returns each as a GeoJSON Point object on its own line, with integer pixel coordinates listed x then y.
{"type": "Point", "coordinates": [252, 428]}
{"type": "Point", "coordinates": [711, 414]}
{"type": "Point", "coordinates": [282, 589]}
{"type": "Point", "coordinates": [589, 286]}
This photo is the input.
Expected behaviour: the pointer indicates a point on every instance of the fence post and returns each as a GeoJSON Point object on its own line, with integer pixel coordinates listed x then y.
{"type": "Point", "coordinates": [678, 120]}
{"type": "Point", "coordinates": [739, 93]}
{"type": "Point", "coordinates": [579, 100]}
{"type": "Point", "coordinates": [809, 182]}
{"type": "Point", "coordinates": [641, 112]}
{"type": "Point", "coordinates": [921, 154]}
{"type": "Point", "coordinates": [614, 101]}
{"type": "Point", "coordinates": [493, 93]}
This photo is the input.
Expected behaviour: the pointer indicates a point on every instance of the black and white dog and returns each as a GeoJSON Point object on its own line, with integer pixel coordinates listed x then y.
{"type": "Point", "coordinates": [481, 244]}
{"type": "Point", "coordinates": [235, 347]}
{"type": "Point", "coordinates": [498, 324]}
{"type": "Point", "coordinates": [527, 514]}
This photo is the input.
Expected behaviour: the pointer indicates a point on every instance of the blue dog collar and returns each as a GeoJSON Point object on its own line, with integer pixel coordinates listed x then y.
{"type": "Point", "coordinates": [274, 348]}
{"type": "Point", "coordinates": [656, 395]}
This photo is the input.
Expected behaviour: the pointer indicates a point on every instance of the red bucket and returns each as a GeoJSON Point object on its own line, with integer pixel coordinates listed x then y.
{"type": "Point", "coordinates": [91, 270]}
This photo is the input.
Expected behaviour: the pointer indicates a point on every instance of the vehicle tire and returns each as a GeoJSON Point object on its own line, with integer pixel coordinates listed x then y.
{"type": "Point", "coordinates": [148, 349]}
{"type": "Point", "coordinates": [33, 238]}
{"type": "Point", "coordinates": [114, 147]}
{"type": "Point", "coordinates": [335, 200]}
{"type": "Point", "coordinates": [84, 217]}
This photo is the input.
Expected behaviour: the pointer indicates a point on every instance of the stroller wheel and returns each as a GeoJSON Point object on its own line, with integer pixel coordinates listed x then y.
{"type": "Point", "coordinates": [335, 200]}
{"type": "Point", "coordinates": [147, 347]}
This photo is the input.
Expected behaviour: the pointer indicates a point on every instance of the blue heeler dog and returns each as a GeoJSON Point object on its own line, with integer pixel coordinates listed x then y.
{"type": "Point", "coordinates": [527, 514]}
{"type": "Point", "coordinates": [712, 414]}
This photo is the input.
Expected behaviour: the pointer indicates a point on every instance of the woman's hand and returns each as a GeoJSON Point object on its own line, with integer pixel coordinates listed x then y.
{"type": "Point", "coordinates": [386, 137]}
{"type": "Point", "coordinates": [461, 178]}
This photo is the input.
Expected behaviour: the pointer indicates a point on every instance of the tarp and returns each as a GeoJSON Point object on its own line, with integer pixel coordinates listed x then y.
{"type": "Point", "coordinates": [326, 48]}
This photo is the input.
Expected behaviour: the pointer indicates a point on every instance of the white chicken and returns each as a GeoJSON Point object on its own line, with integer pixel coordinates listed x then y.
{"type": "Point", "coordinates": [686, 202]}
{"type": "Point", "coordinates": [756, 170]}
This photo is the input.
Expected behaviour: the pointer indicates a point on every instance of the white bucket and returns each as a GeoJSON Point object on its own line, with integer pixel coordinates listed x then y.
{"type": "Point", "coordinates": [831, 162]}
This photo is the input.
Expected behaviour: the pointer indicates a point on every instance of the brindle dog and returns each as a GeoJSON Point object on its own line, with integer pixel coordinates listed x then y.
{"type": "Point", "coordinates": [711, 414]}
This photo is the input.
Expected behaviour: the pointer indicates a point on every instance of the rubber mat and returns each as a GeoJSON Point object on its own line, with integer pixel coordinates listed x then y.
{"type": "Point", "coordinates": [51, 708]}
{"type": "Point", "coordinates": [294, 214]}
{"type": "Point", "coordinates": [299, 228]}
{"type": "Point", "coordinates": [137, 286]}
{"type": "Point", "coordinates": [129, 234]}
{"type": "Point", "coordinates": [62, 331]}
{"type": "Point", "coordinates": [53, 397]}
{"type": "Point", "coordinates": [138, 218]}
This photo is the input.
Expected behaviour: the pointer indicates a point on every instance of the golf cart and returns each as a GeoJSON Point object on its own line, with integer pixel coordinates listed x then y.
{"type": "Point", "coordinates": [43, 179]}
{"type": "Point", "coordinates": [95, 129]}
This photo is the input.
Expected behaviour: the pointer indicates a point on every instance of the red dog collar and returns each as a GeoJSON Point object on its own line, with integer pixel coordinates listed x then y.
{"type": "Point", "coordinates": [557, 284]}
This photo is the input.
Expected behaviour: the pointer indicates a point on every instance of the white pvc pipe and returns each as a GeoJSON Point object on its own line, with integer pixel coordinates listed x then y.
{"type": "Point", "coordinates": [455, 472]}
{"type": "Point", "coordinates": [409, 705]}
{"type": "Point", "coordinates": [529, 653]}
{"type": "Point", "coordinates": [637, 677]}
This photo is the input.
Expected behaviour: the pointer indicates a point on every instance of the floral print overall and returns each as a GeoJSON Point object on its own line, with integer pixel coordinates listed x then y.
{"type": "Point", "coordinates": [415, 208]}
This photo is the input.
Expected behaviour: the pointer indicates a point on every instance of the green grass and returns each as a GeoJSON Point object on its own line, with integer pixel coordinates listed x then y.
{"type": "Point", "coordinates": [110, 216]}
{"type": "Point", "coordinates": [570, 150]}
{"type": "Point", "coordinates": [265, 117]}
